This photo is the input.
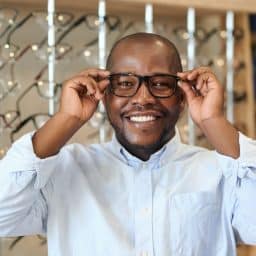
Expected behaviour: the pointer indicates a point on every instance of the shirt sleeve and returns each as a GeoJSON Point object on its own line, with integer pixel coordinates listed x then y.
{"type": "Point", "coordinates": [24, 188]}
{"type": "Point", "coordinates": [241, 175]}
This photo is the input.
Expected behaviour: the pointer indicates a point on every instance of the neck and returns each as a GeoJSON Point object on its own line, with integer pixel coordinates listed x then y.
{"type": "Point", "coordinates": [144, 152]}
{"type": "Point", "coordinates": [140, 152]}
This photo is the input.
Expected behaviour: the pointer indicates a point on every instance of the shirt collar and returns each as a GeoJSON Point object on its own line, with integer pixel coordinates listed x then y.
{"type": "Point", "coordinates": [158, 159]}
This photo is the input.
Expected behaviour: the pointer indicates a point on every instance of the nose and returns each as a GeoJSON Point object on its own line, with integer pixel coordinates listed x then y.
{"type": "Point", "coordinates": [143, 95]}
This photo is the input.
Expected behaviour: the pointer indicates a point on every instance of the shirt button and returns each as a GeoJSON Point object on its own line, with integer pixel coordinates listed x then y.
{"type": "Point", "coordinates": [144, 166]}
{"type": "Point", "coordinates": [145, 211]}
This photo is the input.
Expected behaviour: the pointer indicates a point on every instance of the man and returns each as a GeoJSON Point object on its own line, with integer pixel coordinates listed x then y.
{"type": "Point", "coordinates": [144, 193]}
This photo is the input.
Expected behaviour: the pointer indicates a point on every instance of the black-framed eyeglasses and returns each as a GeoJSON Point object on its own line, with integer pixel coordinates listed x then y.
{"type": "Point", "coordinates": [128, 84]}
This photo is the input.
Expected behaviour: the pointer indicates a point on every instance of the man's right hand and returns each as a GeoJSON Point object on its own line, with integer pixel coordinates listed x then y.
{"type": "Point", "coordinates": [82, 93]}
{"type": "Point", "coordinates": [79, 100]}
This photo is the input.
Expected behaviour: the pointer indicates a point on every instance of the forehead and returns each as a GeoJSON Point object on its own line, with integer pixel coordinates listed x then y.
{"type": "Point", "coordinates": [144, 54]}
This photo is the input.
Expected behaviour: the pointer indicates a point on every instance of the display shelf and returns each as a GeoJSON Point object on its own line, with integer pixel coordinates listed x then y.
{"type": "Point", "coordinates": [235, 5]}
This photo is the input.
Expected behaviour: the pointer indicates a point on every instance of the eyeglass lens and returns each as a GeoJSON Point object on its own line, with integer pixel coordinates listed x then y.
{"type": "Point", "coordinates": [127, 85]}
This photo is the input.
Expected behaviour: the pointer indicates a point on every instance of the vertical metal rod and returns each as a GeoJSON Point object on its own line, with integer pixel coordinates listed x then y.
{"type": "Point", "coordinates": [51, 56]}
{"type": "Point", "coordinates": [102, 57]}
{"type": "Point", "coordinates": [230, 66]}
{"type": "Point", "coordinates": [149, 16]}
{"type": "Point", "coordinates": [191, 53]}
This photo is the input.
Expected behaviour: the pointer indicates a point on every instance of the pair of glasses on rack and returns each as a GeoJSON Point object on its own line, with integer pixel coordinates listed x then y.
{"type": "Point", "coordinates": [37, 120]}
{"type": "Point", "coordinates": [89, 50]}
{"type": "Point", "coordinates": [203, 36]}
{"type": "Point", "coordinates": [8, 87]}
{"type": "Point", "coordinates": [41, 85]}
{"type": "Point", "coordinates": [92, 22]}
{"type": "Point", "coordinates": [9, 55]}
{"type": "Point", "coordinates": [5, 120]}
{"type": "Point", "coordinates": [61, 20]}
{"type": "Point", "coordinates": [8, 17]}
{"type": "Point", "coordinates": [128, 84]}
{"type": "Point", "coordinates": [12, 117]}
{"type": "Point", "coordinates": [6, 90]}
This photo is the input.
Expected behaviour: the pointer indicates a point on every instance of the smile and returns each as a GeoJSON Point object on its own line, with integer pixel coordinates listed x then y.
{"type": "Point", "coordinates": [142, 118]}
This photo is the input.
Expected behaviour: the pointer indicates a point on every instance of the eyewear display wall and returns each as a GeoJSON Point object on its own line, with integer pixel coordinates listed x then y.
{"type": "Point", "coordinates": [24, 85]}
{"type": "Point", "coordinates": [76, 48]}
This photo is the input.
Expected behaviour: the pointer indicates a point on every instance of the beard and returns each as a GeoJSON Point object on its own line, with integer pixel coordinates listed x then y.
{"type": "Point", "coordinates": [123, 138]}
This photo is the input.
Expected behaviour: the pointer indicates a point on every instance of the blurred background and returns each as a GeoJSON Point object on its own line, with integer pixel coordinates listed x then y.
{"type": "Point", "coordinates": [44, 43]}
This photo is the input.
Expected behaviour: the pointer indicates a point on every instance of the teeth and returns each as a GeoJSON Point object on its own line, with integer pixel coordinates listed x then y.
{"type": "Point", "coordinates": [142, 118]}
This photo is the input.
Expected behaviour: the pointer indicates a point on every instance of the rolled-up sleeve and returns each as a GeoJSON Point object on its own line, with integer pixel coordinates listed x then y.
{"type": "Point", "coordinates": [24, 188]}
{"type": "Point", "coordinates": [241, 175]}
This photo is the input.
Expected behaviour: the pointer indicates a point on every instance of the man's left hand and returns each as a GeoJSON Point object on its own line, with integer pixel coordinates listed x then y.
{"type": "Point", "coordinates": [204, 94]}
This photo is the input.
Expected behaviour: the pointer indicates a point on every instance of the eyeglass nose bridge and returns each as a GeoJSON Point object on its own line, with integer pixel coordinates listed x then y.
{"type": "Point", "coordinates": [143, 79]}
{"type": "Point", "coordinates": [146, 81]}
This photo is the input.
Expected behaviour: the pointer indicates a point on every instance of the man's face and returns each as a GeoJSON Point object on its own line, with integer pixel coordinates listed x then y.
{"type": "Point", "coordinates": [143, 121]}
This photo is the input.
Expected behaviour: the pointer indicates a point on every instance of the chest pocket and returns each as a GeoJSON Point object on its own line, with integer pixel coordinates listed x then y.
{"type": "Point", "coordinates": [194, 223]}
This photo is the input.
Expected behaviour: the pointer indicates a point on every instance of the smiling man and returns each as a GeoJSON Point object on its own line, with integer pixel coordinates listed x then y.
{"type": "Point", "coordinates": [144, 193]}
{"type": "Point", "coordinates": [144, 113]}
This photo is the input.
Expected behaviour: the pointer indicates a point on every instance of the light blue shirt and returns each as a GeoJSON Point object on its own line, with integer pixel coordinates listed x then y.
{"type": "Point", "coordinates": [100, 200]}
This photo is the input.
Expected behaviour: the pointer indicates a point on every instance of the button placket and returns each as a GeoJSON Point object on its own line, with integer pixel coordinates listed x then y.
{"type": "Point", "coordinates": [143, 211]}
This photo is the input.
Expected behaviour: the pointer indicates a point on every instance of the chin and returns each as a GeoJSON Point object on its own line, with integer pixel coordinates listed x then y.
{"type": "Point", "coordinates": [144, 142]}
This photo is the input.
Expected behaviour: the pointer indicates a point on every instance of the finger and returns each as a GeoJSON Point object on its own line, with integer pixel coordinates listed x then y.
{"type": "Point", "coordinates": [83, 85]}
{"type": "Point", "coordinates": [199, 71]}
{"type": "Point", "coordinates": [183, 75]}
{"type": "Point", "coordinates": [188, 90]}
{"type": "Point", "coordinates": [101, 89]}
{"type": "Point", "coordinates": [200, 84]}
{"type": "Point", "coordinates": [204, 90]}
{"type": "Point", "coordinates": [98, 74]}
{"type": "Point", "coordinates": [103, 85]}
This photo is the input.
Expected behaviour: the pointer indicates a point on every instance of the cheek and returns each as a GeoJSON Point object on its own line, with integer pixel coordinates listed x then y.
{"type": "Point", "coordinates": [114, 106]}
{"type": "Point", "coordinates": [173, 106]}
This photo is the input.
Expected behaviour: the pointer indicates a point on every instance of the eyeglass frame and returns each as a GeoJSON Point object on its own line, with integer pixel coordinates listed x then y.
{"type": "Point", "coordinates": [84, 19]}
{"type": "Point", "coordinates": [24, 93]}
{"type": "Point", "coordinates": [56, 15]}
{"type": "Point", "coordinates": [25, 121]}
{"type": "Point", "coordinates": [13, 19]}
{"type": "Point", "coordinates": [3, 117]}
{"type": "Point", "coordinates": [146, 80]}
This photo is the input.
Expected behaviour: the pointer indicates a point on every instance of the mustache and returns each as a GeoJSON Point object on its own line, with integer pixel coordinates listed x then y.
{"type": "Point", "coordinates": [147, 107]}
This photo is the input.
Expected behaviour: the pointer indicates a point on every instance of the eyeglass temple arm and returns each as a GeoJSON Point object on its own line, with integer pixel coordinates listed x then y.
{"type": "Point", "coordinates": [17, 26]}
{"type": "Point", "coordinates": [13, 19]}
{"type": "Point", "coordinates": [208, 35]}
{"type": "Point", "coordinates": [21, 124]}
{"type": "Point", "coordinates": [5, 31]}
{"type": "Point", "coordinates": [4, 119]}
{"type": "Point", "coordinates": [43, 41]}
{"type": "Point", "coordinates": [70, 28]}
{"type": "Point", "coordinates": [115, 25]}
{"type": "Point", "coordinates": [92, 42]}
{"type": "Point", "coordinates": [24, 122]}
{"type": "Point", "coordinates": [22, 96]}
{"type": "Point", "coordinates": [126, 28]}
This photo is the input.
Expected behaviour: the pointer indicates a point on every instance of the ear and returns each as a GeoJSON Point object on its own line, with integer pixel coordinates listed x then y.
{"type": "Point", "coordinates": [182, 100]}
{"type": "Point", "coordinates": [104, 100]}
